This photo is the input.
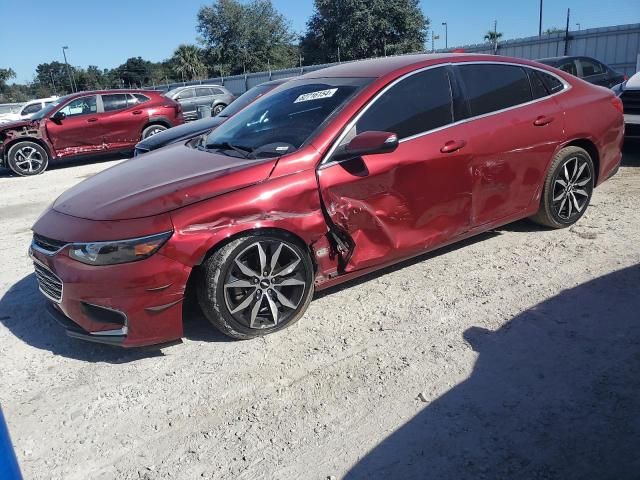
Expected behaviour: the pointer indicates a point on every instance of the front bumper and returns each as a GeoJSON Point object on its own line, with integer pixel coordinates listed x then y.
{"type": "Point", "coordinates": [130, 304]}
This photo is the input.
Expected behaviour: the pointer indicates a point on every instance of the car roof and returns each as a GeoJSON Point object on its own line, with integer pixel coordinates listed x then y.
{"type": "Point", "coordinates": [107, 92]}
{"type": "Point", "coordinates": [379, 67]}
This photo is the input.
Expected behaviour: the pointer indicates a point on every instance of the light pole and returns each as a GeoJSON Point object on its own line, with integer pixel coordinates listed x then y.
{"type": "Point", "coordinates": [540, 22]}
{"type": "Point", "coordinates": [578, 24]}
{"type": "Point", "coordinates": [64, 54]}
{"type": "Point", "coordinates": [446, 35]}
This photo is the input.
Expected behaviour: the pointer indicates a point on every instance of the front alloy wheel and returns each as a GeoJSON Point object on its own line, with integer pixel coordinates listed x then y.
{"type": "Point", "coordinates": [255, 286]}
{"type": "Point", "coordinates": [27, 158]}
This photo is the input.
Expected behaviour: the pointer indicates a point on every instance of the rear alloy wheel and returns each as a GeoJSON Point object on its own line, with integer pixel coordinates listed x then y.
{"type": "Point", "coordinates": [27, 158]}
{"type": "Point", "coordinates": [217, 109]}
{"type": "Point", "coordinates": [567, 190]}
{"type": "Point", "coordinates": [152, 130]}
{"type": "Point", "coordinates": [256, 285]}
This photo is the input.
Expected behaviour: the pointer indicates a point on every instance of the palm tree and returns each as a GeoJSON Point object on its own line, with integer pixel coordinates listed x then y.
{"type": "Point", "coordinates": [187, 61]}
{"type": "Point", "coordinates": [492, 36]}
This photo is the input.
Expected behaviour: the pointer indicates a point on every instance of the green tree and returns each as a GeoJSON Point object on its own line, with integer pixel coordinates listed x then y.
{"type": "Point", "coordinates": [6, 74]}
{"type": "Point", "coordinates": [242, 37]}
{"type": "Point", "coordinates": [187, 62]}
{"type": "Point", "coordinates": [492, 36]}
{"type": "Point", "coordinates": [552, 30]}
{"type": "Point", "coordinates": [135, 72]}
{"type": "Point", "coordinates": [56, 76]}
{"type": "Point", "coordinates": [363, 28]}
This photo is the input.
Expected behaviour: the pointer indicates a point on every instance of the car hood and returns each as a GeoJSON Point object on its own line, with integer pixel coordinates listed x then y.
{"type": "Point", "coordinates": [18, 124]}
{"type": "Point", "coordinates": [633, 83]}
{"type": "Point", "coordinates": [158, 182]}
{"type": "Point", "coordinates": [181, 132]}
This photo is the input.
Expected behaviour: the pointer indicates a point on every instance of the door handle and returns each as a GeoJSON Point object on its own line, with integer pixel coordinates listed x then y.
{"type": "Point", "coordinates": [541, 121]}
{"type": "Point", "coordinates": [136, 112]}
{"type": "Point", "coordinates": [90, 120]}
{"type": "Point", "coordinates": [453, 146]}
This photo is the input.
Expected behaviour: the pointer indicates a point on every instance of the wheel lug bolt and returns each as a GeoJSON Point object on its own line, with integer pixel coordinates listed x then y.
{"type": "Point", "coordinates": [255, 280]}
{"type": "Point", "coordinates": [266, 273]}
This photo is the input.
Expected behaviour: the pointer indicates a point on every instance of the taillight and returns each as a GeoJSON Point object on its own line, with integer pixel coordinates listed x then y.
{"type": "Point", "coordinates": [617, 104]}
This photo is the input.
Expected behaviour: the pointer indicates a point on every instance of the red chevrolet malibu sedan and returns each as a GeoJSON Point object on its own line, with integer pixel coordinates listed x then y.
{"type": "Point", "coordinates": [330, 176]}
{"type": "Point", "coordinates": [85, 123]}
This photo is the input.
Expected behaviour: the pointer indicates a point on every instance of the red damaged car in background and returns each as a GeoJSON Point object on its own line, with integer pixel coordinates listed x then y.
{"type": "Point", "coordinates": [332, 175]}
{"type": "Point", "coordinates": [85, 123]}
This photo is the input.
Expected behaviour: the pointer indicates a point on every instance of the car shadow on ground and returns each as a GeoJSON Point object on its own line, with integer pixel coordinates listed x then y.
{"type": "Point", "coordinates": [74, 162]}
{"type": "Point", "coordinates": [554, 394]}
{"type": "Point", "coordinates": [23, 313]}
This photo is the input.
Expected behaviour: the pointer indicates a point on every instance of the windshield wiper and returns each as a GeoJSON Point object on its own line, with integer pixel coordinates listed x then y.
{"type": "Point", "coordinates": [244, 151]}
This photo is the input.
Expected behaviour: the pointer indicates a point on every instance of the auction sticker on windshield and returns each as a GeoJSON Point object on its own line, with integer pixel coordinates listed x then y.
{"type": "Point", "coordinates": [305, 97]}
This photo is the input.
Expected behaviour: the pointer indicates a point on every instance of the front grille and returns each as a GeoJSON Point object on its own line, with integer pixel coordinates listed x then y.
{"type": "Point", "coordinates": [47, 245]}
{"type": "Point", "coordinates": [48, 282]}
{"type": "Point", "coordinates": [631, 101]}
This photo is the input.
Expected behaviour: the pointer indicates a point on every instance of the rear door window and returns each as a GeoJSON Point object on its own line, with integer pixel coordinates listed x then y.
{"type": "Point", "coordinates": [203, 92]}
{"type": "Point", "coordinates": [113, 102]}
{"type": "Point", "coordinates": [417, 104]}
{"type": "Point", "coordinates": [493, 87]}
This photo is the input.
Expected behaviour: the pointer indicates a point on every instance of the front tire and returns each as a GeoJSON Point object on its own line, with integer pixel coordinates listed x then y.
{"type": "Point", "coordinates": [27, 158]}
{"type": "Point", "coordinates": [256, 285]}
{"type": "Point", "coordinates": [217, 109]}
{"type": "Point", "coordinates": [152, 130]}
{"type": "Point", "coordinates": [567, 189]}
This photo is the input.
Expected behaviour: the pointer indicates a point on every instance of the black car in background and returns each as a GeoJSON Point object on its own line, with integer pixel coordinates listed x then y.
{"type": "Point", "coordinates": [586, 68]}
{"type": "Point", "coordinates": [199, 127]}
{"type": "Point", "coordinates": [191, 97]}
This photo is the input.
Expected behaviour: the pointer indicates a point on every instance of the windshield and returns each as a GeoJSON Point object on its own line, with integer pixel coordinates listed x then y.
{"type": "Point", "coordinates": [282, 122]}
{"type": "Point", "coordinates": [49, 108]}
{"type": "Point", "coordinates": [245, 99]}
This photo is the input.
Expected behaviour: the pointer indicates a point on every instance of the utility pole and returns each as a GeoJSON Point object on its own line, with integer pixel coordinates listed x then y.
{"type": "Point", "coordinates": [566, 33]}
{"type": "Point", "coordinates": [55, 92]}
{"type": "Point", "coordinates": [338, 53]}
{"type": "Point", "coordinates": [495, 37]}
{"type": "Point", "coordinates": [540, 23]}
{"type": "Point", "coordinates": [64, 54]}
{"type": "Point", "coordinates": [446, 35]}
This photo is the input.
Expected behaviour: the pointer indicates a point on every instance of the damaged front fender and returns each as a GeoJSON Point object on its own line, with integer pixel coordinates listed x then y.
{"type": "Point", "coordinates": [24, 130]}
{"type": "Point", "coordinates": [288, 204]}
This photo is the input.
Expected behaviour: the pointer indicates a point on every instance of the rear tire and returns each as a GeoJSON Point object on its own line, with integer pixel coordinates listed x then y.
{"type": "Point", "coordinates": [256, 285]}
{"type": "Point", "coordinates": [27, 158]}
{"type": "Point", "coordinates": [567, 189]}
{"type": "Point", "coordinates": [151, 130]}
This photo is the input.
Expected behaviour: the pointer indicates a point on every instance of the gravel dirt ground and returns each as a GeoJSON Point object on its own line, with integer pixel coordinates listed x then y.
{"type": "Point", "coordinates": [515, 354]}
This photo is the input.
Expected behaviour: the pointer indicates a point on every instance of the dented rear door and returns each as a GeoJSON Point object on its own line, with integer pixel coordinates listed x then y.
{"type": "Point", "coordinates": [398, 204]}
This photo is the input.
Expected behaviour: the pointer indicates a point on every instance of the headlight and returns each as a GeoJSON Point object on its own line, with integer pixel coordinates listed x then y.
{"type": "Point", "coordinates": [120, 251]}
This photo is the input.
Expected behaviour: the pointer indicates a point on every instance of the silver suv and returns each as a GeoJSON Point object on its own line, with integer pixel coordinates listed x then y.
{"type": "Point", "coordinates": [191, 97]}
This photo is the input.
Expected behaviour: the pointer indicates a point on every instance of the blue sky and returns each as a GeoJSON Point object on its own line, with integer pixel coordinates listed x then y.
{"type": "Point", "coordinates": [107, 33]}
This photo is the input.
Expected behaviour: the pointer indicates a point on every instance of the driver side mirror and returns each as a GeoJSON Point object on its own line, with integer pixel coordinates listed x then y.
{"type": "Point", "coordinates": [367, 143]}
{"type": "Point", "coordinates": [58, 116]}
